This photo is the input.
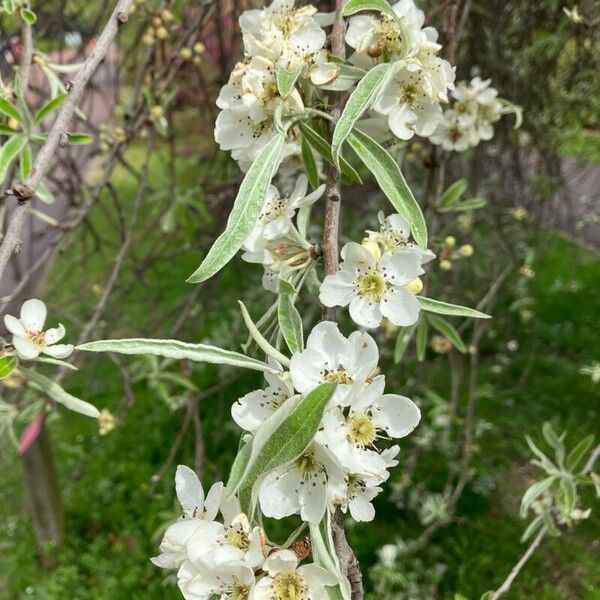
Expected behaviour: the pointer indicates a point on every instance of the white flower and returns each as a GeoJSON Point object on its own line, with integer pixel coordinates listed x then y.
{"type": "Point", "coordinates": [275, 219]}
{"type": "Point", "coordinates": [228, 581]}
{"type": "Point", "coordinates": [452, 134]}
{"type": "Point", "coordinates": [375, 36]}
{"type": "Point", "coordinates": [29, 338]}
{"type": "Point", "coordinates": [373, 285]}
{"type": "Point", "coordinates": [372, 415]}
{"type": "Point", "coordinates": [329, 356]}
{"type": "Point", "coordinates": [197, 512]}
{"type": "Point", "coordinates": [285, 580]}
{"type": "Point", "coordinates": [251, 410]}
{"type": "Point", "coordinates": [301, 487]}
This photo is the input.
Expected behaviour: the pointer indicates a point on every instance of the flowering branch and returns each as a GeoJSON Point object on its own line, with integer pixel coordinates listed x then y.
{"type": "Point", "coordinates": [26, 191]}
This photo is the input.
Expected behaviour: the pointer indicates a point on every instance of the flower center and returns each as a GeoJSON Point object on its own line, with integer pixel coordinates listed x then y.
{"type": "Point", "coordinates": [355, 486]}
{"type": "Point", "coordinates": [307, 463]}
{"type": "Point", "coordinates": [391, 37]}
{"type": "Point", "coordinates": [462, 108]}
{"type": "Point", "coordinates": [409, 93]}
{"type": "Point", "coordinates": [454, 134]}
{"type": "Point", "coordinates": [372, 285]}
{"type": "Point", "coordinates": [289, 586]}
{"type": "Point", "coordinates": [338, 376]}
{"type": "Point", "coordinates": [38, 338]}
{"type": "Point", "coordinates": [238, 537]}
{"type": "Point", "coordinates": [362, 430]}
{"type": "Point", "coordinates": [239, 592]}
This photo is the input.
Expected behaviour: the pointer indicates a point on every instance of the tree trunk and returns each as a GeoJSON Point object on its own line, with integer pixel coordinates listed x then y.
{"type": "Point", "coordinates": [43, 490]}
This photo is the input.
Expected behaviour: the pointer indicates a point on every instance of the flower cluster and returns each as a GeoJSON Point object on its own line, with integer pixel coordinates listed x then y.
{"type": "Point", "coordinates": [275, 242]}
{"type": "Point", "coordinates": [343, 467]}
{"type": "Point", "coordinates": [411, 102]}
{"type": "Point", "coordinates": [277, 37]}
{"type": "Point", "coordinates": [475, 109]}
{"type": "Point", "coordinates": [380, 277]}
{"type": "Point", "coordinates": [230, 559]}
{"type": "Point", "coordinates": [29, 338]}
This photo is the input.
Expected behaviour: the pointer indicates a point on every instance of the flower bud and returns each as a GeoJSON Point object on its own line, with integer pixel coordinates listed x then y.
{"type": "Point", "coordinates": [148, 39]}
{"type": "Point", "coordinates": [466, 251]}
{"type": "Point", "coordinates": [440, 344]}
{"type": "Point", "coordinates": [415, 286]}
{"type": "Point", "coordinates": [450, 241]}
{"type": "Point", "coordinates": [13, 123]}
{"type": "Point", "coordinates": [199, 48]}
{"type": "Point", "coordinates": [156, 112]}
{"type": "Point", "coordinates": [445, 265]}
{"type": "Point", "coordinates": [167, 15]}
{"type": "Point", "coordinates": [372, 247]}
{"type": "Point", "coordinates": [185, 53]}
{"type": "Point", "coordinates": [374, 51]}
{"type": "Point", "coordinates": [162, 33]}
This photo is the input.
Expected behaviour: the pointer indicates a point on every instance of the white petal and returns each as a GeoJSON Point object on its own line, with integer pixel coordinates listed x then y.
{"type": "Point", "coordinates": [338, 289]}
{"type": "Point", "coordinates": [313, 498]}
{"type": "Point", "coordinates": [51, 336]}
{"type": "Point", "coordinates": [401, 122]}
{"type": "Point", "coordinates": [366, 355]}
{"type": "Point", "coordinates": [14, 326]}
{"type": "Point", "coordinates": [361, 509]}
{"type": "Point", "coordinates": [277, 494]}
{"type": "Point", "coordinates": [400, 306]}
{"type": "Point", "coordinates": [316, 576]}
{"type": "Point", "coordinates": [282, 561]}
{"type": "Point", "coordinates": [25, 349]}
{"type": "Point", "coordinates": [33, 315]}
{"type": "Point", "coordinates": [213, 500]}
{"type": "Point", "coordinates": [324, 74]}
{"type": "Point", "coordinates": [401, 266]}
{"type": "Point", "coordinates": [365, 312]}
{"type": "Point", "coordinates": [305, 369]}
{"type": "Point", "coordinates": [397, 415]}
{"type": "Point", "coordinates": [59, 350]}
{"type": "Point", "coordinates": [189, 490]}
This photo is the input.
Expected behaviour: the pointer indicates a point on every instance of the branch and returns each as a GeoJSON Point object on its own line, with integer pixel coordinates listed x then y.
{"type": "Point", "coordinates": [26, 191]}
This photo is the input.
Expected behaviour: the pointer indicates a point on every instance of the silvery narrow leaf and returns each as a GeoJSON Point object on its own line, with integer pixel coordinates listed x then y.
{"type": "Point", "coordinates": [391, 181]}
{"type": "Point", "coordinates": [286, 78]}
{"type": "Point", "coordinates": [444, 308]}
{"type": "Point", "coordinates": [290, 323]}
{"type": "Point", "coordinates": [362, 98]}
{"type": "Point", "coordinates": [54, 391]}
{"type": "Point", "coordinates": [246, 208]}
{"type": "Point", "coordinates": [177, 350]}
{"type": "Point", "coordinates": [353, 6]}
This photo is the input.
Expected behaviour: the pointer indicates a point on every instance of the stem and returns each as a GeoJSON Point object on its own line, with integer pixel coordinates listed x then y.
{"type": "Point", "coordinates": [349, 564]}
{"type": "Point", "coordinates": [26, 191]}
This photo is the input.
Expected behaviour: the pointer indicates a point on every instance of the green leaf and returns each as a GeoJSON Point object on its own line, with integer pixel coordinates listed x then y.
{"type": "Point", "coordinates": [10, 111]}
{"type": "Point", "coordinates": [533, 492]}
{"type": "Point", "coordinates": [49, 108]}
{"type": "Point", "coordinates": [578, 453]}
{"type": "Point", "coordinates": [453, 193]}
{"type": "Point", "coordinates": [532, 528]}
{"type": "Point", "coordinates": [238, 468]}
{"type": "Point", "coordinates": [28, 16]}
{"type": "Point", "coordinates": [44, 193]}
{"type": "Point", "coordinates": [80, 139]}
{"type": "Point", "coordinates": [361, 99]}
{"type": "Point", "coordinates": [177, 350]}
{"type": "Point", "coordinates": [287, 442]}
{"type": "Point", "coordinates": [25, 161]}
{"type": "Point", "coordinates": [471, 204]}
{"type": "Point", "coordinates": [320, 144]}
{"type": "Point", "coordinates": [286, 79]}
{"type": "Point", "coordinates": [568, 496]}
{"type": "Point", "coordinates": [448, 331]}
{"type": "Point", "coordinates": [555, 442]}
{"type": "Point", "coordinates": [9, 152]}
{"type": "Point", "coordinates": [544, 462]}
{"type": "Point", "coordinates": [310, 165]}
{"type": "Point", "coordinates": [6, 130]}
{"type": "Point", "coordinates": [353, 6]}
{"type": "Point", "coordinates": [290, 323]}
{"type": "Point", "coordinates": [453, 310]}
{"type": "Point", "coordinates": [7, 365]}
{"type": "Point", "coordinates": [421, 339]}
{"type": "Point", "coordinates": [390, 179]}
{"type": "Point", "coordinates": [54, 391]}
{"type": "Point", "coordinates": [243, 216]}
{"type": "Point", "coordinates": [402, 342]}
{"type": "Point", "coordinates": [260, 339]}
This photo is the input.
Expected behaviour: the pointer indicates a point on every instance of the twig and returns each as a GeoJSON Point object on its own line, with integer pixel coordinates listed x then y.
{"type": "Point", "coordinates": [26, 191]}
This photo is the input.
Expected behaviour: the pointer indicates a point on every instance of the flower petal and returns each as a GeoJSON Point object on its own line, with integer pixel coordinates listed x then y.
{"type": "Point", "coordinates": [397, 415]}
{"type": "Point", "coordinates": [25, 349]}
{"type": "Point", "coordinates": [33, 315]}
{"type": "Point", "coordinates": [400, 306]}
{"type": "Point", "coordinates": [59, 350]}
{"type": "Point", "coordinates": [14, 326]}
{"type": "Point", "coordinates": [189, 490]}
{"type": "Point", "coordinates": [51, 336]}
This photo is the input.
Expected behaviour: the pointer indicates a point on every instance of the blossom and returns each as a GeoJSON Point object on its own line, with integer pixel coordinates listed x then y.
{"type": "Point", "coordinates": [374, 285]}
{"type": "Point", "coordinates": [197, 512]}
{"type": "Point", "coordinates": [29, 338]}
{"type": "Point", "coordinates": [106, 421]}
{"type": "Point", "coordinates": [285, 580]}
{"type": "Point", "coordinates": [228, 581]}
{"type": "Point", "coordinates": [301, 487]}
{"type": "Point", "coordinates": [275, 219]}
{"type": "Point", "coordinates": [330, 357]}
{"type": "Point", "coordinates": [251, 410]}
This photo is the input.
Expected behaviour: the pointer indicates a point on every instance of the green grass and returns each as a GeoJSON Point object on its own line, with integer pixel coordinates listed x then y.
{"type": "Point", "coordinates": [112, 519]}
{"type": "Point", "coordinates": [583, 147]}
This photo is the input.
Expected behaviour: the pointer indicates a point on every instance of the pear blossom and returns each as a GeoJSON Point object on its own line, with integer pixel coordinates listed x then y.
{"type": "Point", "coordinates": [197, 511]}
{"type": "Point", "coordinates": [275, 219]}
{"type": "Point", "coordinates": [29, 338]}
{"type": "Point", "coordinates": [329, 356]}
{"type": "Point", "coordinates": [251, 410]}
{"type": "Point", "coordinates": [301, 487]}
{"type": "Point", "coordinates": [228, 581]}
{"type": "Point", "coordinates": [285, 580]}
{"type": "Point", "coordinates": [374, 285]}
